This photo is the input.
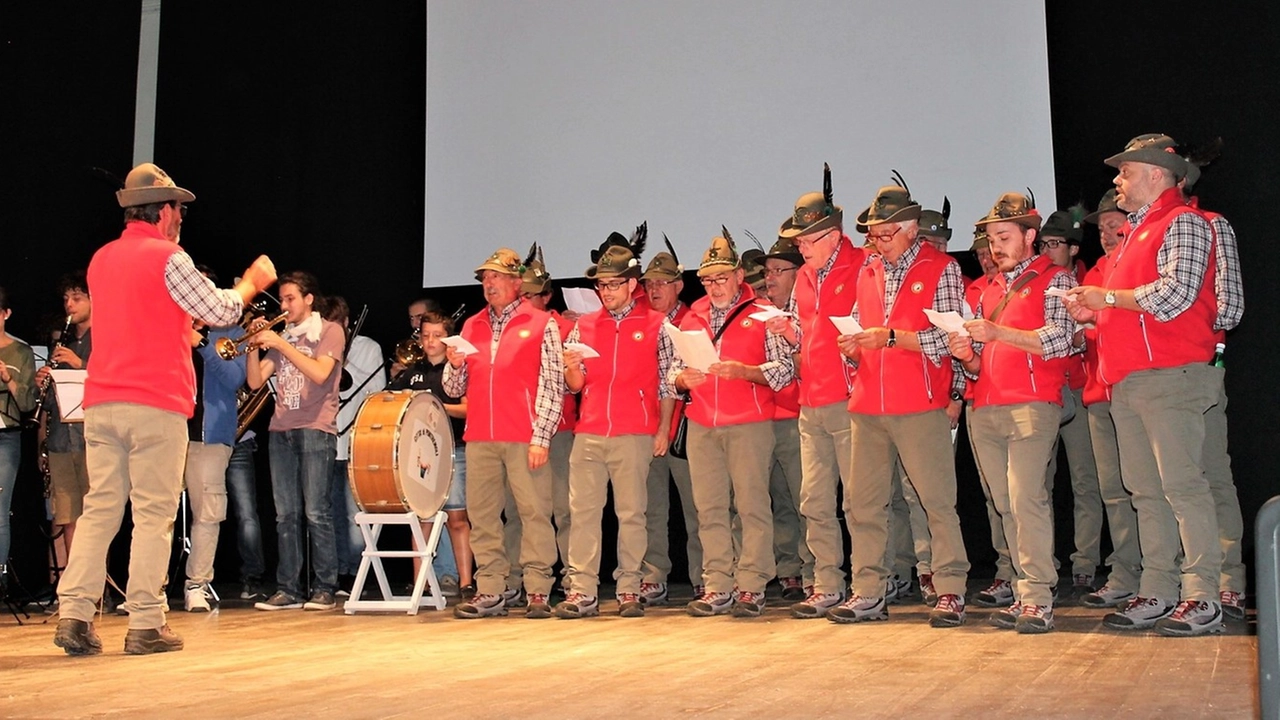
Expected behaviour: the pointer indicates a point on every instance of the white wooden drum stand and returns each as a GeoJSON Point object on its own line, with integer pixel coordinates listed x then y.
{"type": "Point", "coordinates": [400, 470]}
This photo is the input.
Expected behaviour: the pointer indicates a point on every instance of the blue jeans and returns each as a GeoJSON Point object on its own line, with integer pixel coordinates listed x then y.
{"type": "Point", "coordinates": [301, 468]}
{"type": "Point", "coordinates": [10, 455]}
{"type": "Point", "coordinates": [347, 536]}
{"type": "Point", "coordinates": [445, 563]}
{"type": "Point", "coordinates": [242, 486]}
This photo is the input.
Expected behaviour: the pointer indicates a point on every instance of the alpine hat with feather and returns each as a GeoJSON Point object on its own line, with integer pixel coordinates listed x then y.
{"type": "Point", "coordinates": [1015, 208]}
{"type": "Point", "coordinates": [722, 256]}
{"type": "Point", "coordinates": [535, 276]}
{"type": "Point", "coordinates": [1153, 149]}
{"type": "Point", "coordinates": [892, 204]}
{"type": "Point", "coordinates": [614, 260]}
{"type": "Point", "coordinates": [665, 265]}
{"type": "Point", "coordinates": [814, 211]}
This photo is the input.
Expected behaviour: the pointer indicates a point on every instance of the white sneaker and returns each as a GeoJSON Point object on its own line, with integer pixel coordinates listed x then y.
{"type": "Point", "coordinates": [197, 598]}
{"type": "Point", "coordinates": [1139, 613]}
{"type": "Point", "coordinates": [1106, 596]}
{"type": "Point", "coordinates": [1192, 618]}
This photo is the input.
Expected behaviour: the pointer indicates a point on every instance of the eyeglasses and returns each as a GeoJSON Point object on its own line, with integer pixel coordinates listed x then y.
{"type": "Point", "coordinates": [882, 237]}
{"type": "Point", "coordinates": [1053, 243]}
{"type": "Point", "coordinates": [649, 284]}
{"type": "Point", "coordinates": [775, 272]}
{"type": "Point", "coordinates": [182, 209]}
{"type": "Point", "coordinates": [810, 240]}
{"type": "Point", "coordinates": [611, 286]}
{"type": "Point", "coordinates": [715, 280]}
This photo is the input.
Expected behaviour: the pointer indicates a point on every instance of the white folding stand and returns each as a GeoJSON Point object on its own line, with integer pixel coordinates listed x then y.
{"type": "Point", "coordinates": [426, 589]}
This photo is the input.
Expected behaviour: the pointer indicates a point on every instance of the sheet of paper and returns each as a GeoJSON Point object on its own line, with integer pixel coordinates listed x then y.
{"type": "Point", "coordinates": [581, 300]}
{"type": "Point", "coordinates": [767, 312]}
{"type": "Point", "coordinates": [586, 350]}
{"type": "Point", "coordinates": [69, 385]}
{"type": "Point", "coordinates": [846, 324]}
{"type": "Point", "coordinates": [949, 321]}
{"type": "Point", "coordinates": [1055, 292]}
{"type": "Point", "coordinates": [693, 346]}
{"type": "Point", "coordinates": [457, 342]}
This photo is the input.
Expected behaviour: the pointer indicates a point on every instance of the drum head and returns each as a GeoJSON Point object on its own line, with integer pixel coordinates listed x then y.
{"type": "Point", "coordinates": [424, 455]}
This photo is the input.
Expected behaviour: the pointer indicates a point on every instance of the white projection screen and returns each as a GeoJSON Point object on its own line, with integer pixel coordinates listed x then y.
{"type": "Point", "coordinates": [559, 121]}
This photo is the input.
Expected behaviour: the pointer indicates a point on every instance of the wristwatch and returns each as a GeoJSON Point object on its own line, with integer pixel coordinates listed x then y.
{"type": "Point", "coordinates": [1110, 298]}
{"type": "Point", "coordinates": [893, 339]}
{"type": "Point", "coordinates": [956, 396]}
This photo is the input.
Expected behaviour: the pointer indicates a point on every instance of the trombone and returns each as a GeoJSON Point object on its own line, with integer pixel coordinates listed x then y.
{"type": "Point", "coordinates": [229, 349]}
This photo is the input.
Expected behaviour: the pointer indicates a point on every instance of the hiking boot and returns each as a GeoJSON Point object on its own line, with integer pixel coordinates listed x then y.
{"type": "Point", "coordinates": [1035, 619]}
{"type": "Point", "coordinates": [949, 612]}
{"type": "Point", "coordinates": [151, 640]}
{"type": "Point", "coordinates": [514, 597]}
{"type": "Point", "coordinates": [816, 605]}
{"type": "Point", "coordinates": [1192, 617]}
{"type": "Point", "coordinates": [480, 606]}
{"type": "Point", "coordinates": [711, 603]}
{"type": "Point", "coordinates": [578, 605]}
{"type": "Point", "coordinates": [653, 593]}
{"type": "Point", "coordinates": [630, 605]}
{"type": "Point", "coordinates": [998, 594]}
{"type": "Point", "coordinates": [77, 637]}
{"type": "Point", "coordinates": [1138, 614]}
{"type": "Point", "coordinates": [1106, 597]}
{"type": "Point", "coordinates": [859, 609]}
{"type": "Point", "coordinates": [538, 607]}
{"type": "Point", "coordinates": [281, 600]}
{"type": "Point", "coordinates": [928, 594]}
{"type": "Point", "coordinates": [748, 605]}
{"type": "Point", "coordinates": [792, 589]}
{"type": "Point", "coordinates": [1006, 618]}
{"type": "Point", "coordinates": [1232, 603]}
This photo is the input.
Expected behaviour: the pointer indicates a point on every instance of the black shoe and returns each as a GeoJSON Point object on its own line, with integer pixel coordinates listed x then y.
{"type": "Point", "coordinates": [252, 591]}
{"type": "Point", "coordinates": [77, 637]}
{"type": "Point", "coordinates": [152, 640]}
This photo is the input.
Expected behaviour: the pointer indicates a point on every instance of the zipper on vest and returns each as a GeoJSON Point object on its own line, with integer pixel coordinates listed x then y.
{"type": "Point", "coordinates": [532, 412]}
{"type": "Point", "coordinates": [617, 331]}
{"type": "Point", "coordinates": [1031, 369]}
{"type": "Point", "coordinates": [928, 384]}
{"type": "Point", "coordinates": [1146, 341]}
{"type": "Point", "coordinates": [644, 411]}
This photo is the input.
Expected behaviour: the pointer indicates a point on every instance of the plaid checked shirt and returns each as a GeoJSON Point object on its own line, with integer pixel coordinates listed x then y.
{"type": "Point", "coordinates": [1182, 262]}
{"type": "Point", "coordinates": [196, 294]}
{"type": "Point", "coordinates": [666, 349]}
{"type": "Point", "coordinates": [778, 368]}
{"type": "Point", "coordinates": [1058, 329]}
{"type": "Point", "coordinates": [549, 402]}
{"type": "Point", "coordinates": [1228, 286]}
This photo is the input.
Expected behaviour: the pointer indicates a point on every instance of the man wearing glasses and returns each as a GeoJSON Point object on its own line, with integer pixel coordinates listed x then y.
{"type": "Point", "coordinates": [826, 286]}
{"type": "Point", "coordinates": [663, 283]}
{"type": "Point", "coordinates": [731, 434]}
{"type": "Point", "coordinates": [620, 430]}
{"type": "Point", "coordinates": [898, 408]}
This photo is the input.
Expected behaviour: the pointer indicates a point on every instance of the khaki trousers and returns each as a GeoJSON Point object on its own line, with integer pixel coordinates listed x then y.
{"type": "Point", "coordinates": [135, 453]}
{"type": "Point", "coordinates": [558, 460]}
{"type": "Point", "coordinates": [1004, 561]}
{"type": "Point", "coordinates": [1125, 559]}
{"type": "Point", "coordinates": [492, 469]}
{"type": "Point", "coordinates": [730, 466]}
{"type": "Point", "coordinates": [1160, 427]}
{"type": "Point", "coordinates": [1087, 498]}
{"type": "Point", "coordinates": [790, 550]}
{"type": "Point", "coordinates": [825, 454]}
{"type": "Point", "coordinates": [1226, 502]}
{"type": "Point", "coordinates": [1013, 443]}
{"type": "Point", "coordinates": [909, 539]}
{"type": "Point", "coordinates": [206, 481]}
{"type": "Point", "coordinates": [663, 471]}
{"type": "Point", "coordinates": [877, 442]}
{"type": "Point", "coordinates": [597, 462]}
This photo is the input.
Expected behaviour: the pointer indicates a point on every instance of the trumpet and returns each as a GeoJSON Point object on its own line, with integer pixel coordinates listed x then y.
{"type": "Point", "coordinates": [408, 352]}
{"type": "Point", "coordinates": [229, 349]}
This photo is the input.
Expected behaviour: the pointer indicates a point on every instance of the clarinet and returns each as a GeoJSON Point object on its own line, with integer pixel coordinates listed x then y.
{"type": "Point", "coordinates": [48, 381]}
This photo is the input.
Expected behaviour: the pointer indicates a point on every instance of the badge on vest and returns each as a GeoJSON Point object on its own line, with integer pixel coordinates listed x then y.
{"type": "Point", "coordinates": [916, 287]}
{"type": "Point", "coordinates": [525, 333]}
{"type": "Point", "coordinates": [637, 335]}
{"type": "Point", "coordinates": [746, 323]}
{"type": "Point", "coordinates": [839, 288]}
{"type": "Point", "coordinates": [1025, 292]}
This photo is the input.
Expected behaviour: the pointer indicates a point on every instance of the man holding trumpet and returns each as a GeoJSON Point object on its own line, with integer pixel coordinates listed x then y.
{"type": "Point", "coordinates": [138, 397]}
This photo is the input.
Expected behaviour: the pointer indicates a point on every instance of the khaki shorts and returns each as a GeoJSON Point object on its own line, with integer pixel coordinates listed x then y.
{"type": "Point", "coordinates": [70, 480]}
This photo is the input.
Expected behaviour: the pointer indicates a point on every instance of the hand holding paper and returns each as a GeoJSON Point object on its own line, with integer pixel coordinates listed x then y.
{"type": "Point", "coordinates": [457, 342]}
{"type": "Point", "coordinates": [581, 300]}
{"type": "Point", "coordinates": [693, 346]}
{"type": "Point", "coordinates": [767, 312]}
{"type": "Point", "coordinates": [846, 325]}
{"type": "Point", "coordinates": [948, 322]}
{"type": "Point", "coordinates": [582, 348]}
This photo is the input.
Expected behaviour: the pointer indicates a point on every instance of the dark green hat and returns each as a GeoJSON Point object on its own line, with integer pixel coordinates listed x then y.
{"type": "Point", "coordinates": [722, 256]}
{"type": "Point", "coordinates": [753, 264]}
{"type": "Point", "coordinates": [814, 211]}
{"type": "Point", "coordinates": [783, 249]}
{"type": "Point", "coordinates": [980, 239]}
{"type": "Point", "coordinates": [934, 223]}
{"type": "Point", "coordinates": [1153, 149]}
{"type": "Point", "coordinates": [664, 265]}
{"type": "Point", "coordinates": [617, 262]}
{"type": "Point", "coordinates": [1064, 224]}
{"type": "Point", "coordinates": [535, 275]}
{"type": "Point", "coordinates": [1105, 205]}
{"type": "Point", "coordinates": [892, 204]}
{"type": "Point", "coordinates": [1016, 208]}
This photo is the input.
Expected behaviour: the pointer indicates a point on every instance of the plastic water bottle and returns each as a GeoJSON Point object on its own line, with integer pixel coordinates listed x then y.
{"type": "Point", "coordinates": [1218, 351]}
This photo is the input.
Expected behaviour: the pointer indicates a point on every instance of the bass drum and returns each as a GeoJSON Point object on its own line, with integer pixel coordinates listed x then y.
{"type": "Point", "coordinates": [401, 454]}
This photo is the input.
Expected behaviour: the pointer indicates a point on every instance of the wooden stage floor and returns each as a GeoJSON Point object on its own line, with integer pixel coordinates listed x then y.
{"type": "Point", "coordinates": [244, 663]}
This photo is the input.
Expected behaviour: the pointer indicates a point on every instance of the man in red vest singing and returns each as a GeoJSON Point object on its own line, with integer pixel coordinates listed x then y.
{"type": "Point", "coordinates": [514, 387]}
{"type": "Point", "coordinates": [1016, 350]}
{"type": "Point", "coordinates": [1155, 312]}
{"type": "Point", "coordinates": [731, 434]}
{"type": "Point", "coordinates": [619, 430]}
{"type": "Point", "coordinates": [898, 408]}
{"type": "Point", "coordinates": [826, 285]}
{"type": "Point", "coordinates": [138, 396]}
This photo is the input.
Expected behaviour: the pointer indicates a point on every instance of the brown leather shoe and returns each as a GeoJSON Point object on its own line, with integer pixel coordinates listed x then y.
{"type": "Point", "coordinates": [151, 640]}
{"type": "Point", "coordinates": [77, 637]}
